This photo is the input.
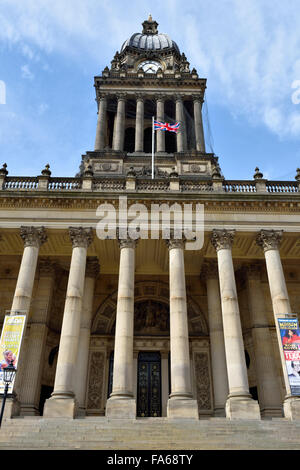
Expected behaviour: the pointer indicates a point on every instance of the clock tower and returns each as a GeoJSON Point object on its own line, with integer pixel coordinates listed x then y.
{"type": "Point", "coordinates": [149, 77]}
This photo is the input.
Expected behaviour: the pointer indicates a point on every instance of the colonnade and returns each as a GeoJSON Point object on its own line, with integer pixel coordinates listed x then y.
{"type": "Point", "coordinates": [230, 380]}
{"type": "Point", "coordinates": [160, 99]}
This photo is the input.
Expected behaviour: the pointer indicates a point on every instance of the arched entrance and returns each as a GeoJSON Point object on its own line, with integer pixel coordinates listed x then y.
{"type": "Point", "coordinates": [151, 352]}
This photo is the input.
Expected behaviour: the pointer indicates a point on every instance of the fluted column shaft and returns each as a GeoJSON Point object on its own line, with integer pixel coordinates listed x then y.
{"type": "Point", "coordinates": [181, 134]}
{"type": "Point", "coordinates": [139, 125]}
{"type": "Point", "coordinates": [92, 270]}
{"type": "Point", "coordinates": [267, 381]}
{"type": "Point", "coordinates": [216, 334]}
{"type": "Point", "coordinates": [199, 132]}
{"type": "Point", "coordinates": [119, 128]}
{"type": "Point", "coordinates": [36, 344]}
{"type": "Point", "coordinates": [160, 116]}
{"type": "Point", "coordinates": [101, 124]}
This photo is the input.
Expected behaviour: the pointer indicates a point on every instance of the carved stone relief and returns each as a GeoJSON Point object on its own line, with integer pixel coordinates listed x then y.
{"type": "Point", "coordinates": [96, 377]}
{"type": "Point", "coordinates": [202, 376]}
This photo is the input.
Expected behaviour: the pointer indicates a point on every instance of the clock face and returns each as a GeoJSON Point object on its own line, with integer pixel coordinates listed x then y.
{"type": "Point", "coordinates": [150, 66]}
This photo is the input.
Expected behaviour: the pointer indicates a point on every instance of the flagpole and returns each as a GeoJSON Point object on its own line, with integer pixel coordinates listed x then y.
{"type": "Point", "coordinates": [153, 147]}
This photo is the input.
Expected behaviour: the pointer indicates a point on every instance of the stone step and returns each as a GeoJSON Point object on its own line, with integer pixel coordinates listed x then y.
{"type": "Point", "coordinates": [157, 433]}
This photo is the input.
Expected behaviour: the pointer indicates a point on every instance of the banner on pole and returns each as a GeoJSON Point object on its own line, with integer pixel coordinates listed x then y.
{"type": "Point", "coordinates": [290, 341]}
{"type": "Point", "coordinates": [10, 344]}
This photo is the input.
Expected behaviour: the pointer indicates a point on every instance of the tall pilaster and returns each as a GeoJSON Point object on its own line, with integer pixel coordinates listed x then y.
{"type": "Point", "coordinates": [91, 273]}
{"type": "Point", "coordinates": [181, 134]}
{"type": "Point", "coordinates": [63, 401]}
{"type": "Point", "coordinates": [160, 116]}
{"type": "Point", "coordinates": [269, 241]}
{"type": "Point", "coordinates": [216, 335]}
{"type": "Point", "coordinates": [119, 128]}
{"type": "Point", "coordinates": [122, 403]}
{"type": "Point", "coordinates": [36, 343]}
{"type": "Point", "coordinates": [268, 386]}
{"type": "Point", "coordinates": [181, 403]}
{"type": "Point", "coordinates": [199, 132]}
{"type": "Point", "coordinates": [139, 124]}
{"type": "Point", "coordinates": [101, 124]}
{"type": "Point", "coordinates": [239, 402]}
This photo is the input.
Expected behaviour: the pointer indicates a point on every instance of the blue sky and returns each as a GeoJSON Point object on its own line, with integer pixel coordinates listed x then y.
{"type": "Point", "coordinates": [249, 51]}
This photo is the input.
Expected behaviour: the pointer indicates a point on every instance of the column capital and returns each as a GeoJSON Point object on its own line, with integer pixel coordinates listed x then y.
{"type": "Point", "coordinates": [33, 236]}
{"type": "Point", "coordinates": [81, 237]}
{"type": "Point", "coordinates": [160, 97]}
{"type": "Point", "coordinates": [210, 270]}
{"type": "Point", "coordinates": [178, 98]}
{"type": "Point", "coordinates": [140, 97]}
{"type": "Point", "coordinates": [269, 239]}
{"type": "Point", "coordinates": [222, 239]}
{"type": "Point", "coordinates": [175, 242]}
{"type": "Point", "coordinates": [92, 267]}
{"type": "Point", "coordinates": [197, 97]}
{"type": "Point", "coordinates": [127, 242]}
{"type": "Point", "coordinates": [121, 96]}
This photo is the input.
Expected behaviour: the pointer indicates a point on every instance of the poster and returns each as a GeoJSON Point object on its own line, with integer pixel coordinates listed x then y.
{"type": "Point", "coordinates": [10, 344]}
{"type": "Point", "coordinates": [290, 340]}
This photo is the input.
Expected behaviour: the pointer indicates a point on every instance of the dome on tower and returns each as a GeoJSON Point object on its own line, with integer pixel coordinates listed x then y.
{"type": "Point", "coordinates": [150, 39]}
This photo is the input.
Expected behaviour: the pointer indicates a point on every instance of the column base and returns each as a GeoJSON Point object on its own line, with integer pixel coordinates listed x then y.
{"type": "Point", "coordinates": [121, 408]}
{"type": "Point", "coordinates": [12, 407]}
{"type": "Point", "coordinates": [242, 407]}
{"type": "Point", "coordinates": [220, 412]}
{"type": "Point", "coordinates": [272, 412]}
{"type": "Point", "coordinates": [291, 408]}
{"type": "Point", "coordinates": [60, 407]}
{"type": "Point", "coordinates": [182, 408]}
{"type": "Point", "coordinates": [29, 410]}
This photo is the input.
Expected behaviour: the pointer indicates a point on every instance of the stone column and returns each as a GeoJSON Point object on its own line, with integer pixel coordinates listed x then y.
{"type": "Point", "coordinates": [91, 273]}
{"type": "Point", "coordinates": [267, 382]}
{"type": "Point", "coordinates": [160, 116]}
{"type": "Point", "coordinates": [216, 333]}
{"type": "Point", "coordinates": [239, 403]}
{"type": "Point", "coordinates": [181, 134]}
{"type": "Point", "coordinates": [139, 124]}
{"type": "Point", "coordinates": [63, 402]}
{"type": "Point", "coordinates": [180, 403]}
{"type": "Point", "coordinates": [121, 403]}
{"type": "Point", "coordinates": [119, 128]}
{"type": "Point", "coordinates": [269, 241]}
{"type": "Point", "coordinates": [36, 343]}
{"type": "Point", "coordinates": [101, 124]}
{"type": "Point", "coordinates": [199, 132]}
{"type": "Point", "coordinates": [33, 238]}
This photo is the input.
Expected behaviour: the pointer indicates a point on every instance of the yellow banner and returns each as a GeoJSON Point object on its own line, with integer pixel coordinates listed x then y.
{"type": "Point", "coordinates": [10, 344]}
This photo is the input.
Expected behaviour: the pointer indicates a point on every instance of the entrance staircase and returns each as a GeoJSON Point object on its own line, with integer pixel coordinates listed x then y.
{"type": "Point", "coordinates": [95, 433]}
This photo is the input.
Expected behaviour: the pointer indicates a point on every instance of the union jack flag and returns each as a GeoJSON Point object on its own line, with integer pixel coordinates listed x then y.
{"type": "Point", "coordinates": [165, 126]}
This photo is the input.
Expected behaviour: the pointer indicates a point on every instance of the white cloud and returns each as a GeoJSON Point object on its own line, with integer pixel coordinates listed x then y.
{"type": "Point", "coordinates": [26, 73]}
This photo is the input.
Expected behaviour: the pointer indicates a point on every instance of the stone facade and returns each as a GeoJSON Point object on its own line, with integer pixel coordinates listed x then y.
{"type": "Point", "coordinates": [94, 305]}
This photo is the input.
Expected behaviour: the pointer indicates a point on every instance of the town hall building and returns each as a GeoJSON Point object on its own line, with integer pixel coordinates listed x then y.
{"type": "Point", "coordinates": [119, 327]}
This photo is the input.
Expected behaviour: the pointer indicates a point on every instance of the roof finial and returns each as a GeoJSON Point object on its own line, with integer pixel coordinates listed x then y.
{"type": "Point", "coordinates": [150, 17]}
{"type": "Point", "coordinates": [150, 26]}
